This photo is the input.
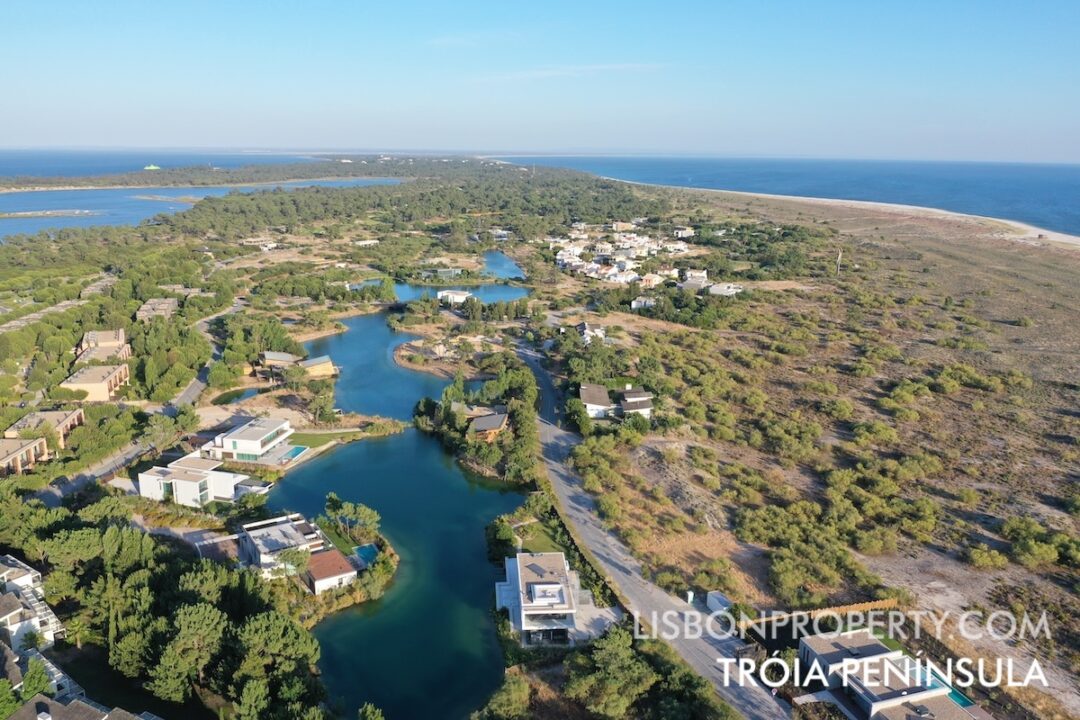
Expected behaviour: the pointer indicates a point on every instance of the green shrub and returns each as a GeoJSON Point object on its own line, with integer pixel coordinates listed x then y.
{"type": "Point", "coordinates": [983, 557]}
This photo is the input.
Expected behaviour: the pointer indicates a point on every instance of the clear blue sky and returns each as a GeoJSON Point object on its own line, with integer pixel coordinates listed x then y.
{"type": "Point", "coordinates": [949, 79]}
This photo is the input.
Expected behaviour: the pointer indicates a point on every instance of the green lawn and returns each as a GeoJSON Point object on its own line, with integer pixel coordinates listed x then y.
{"type": "Point", "coordinates": [314, 440]}
{"type": "Point", "coordinates": [538, 538]}
{"type": "Point", "coordinates": [341, 542]}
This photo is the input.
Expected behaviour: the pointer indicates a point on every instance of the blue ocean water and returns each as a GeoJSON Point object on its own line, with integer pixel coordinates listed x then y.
{"type": "Point", "coordinates": [72, 163]}
{"type": "Point", "coordinates": [1047, 196]}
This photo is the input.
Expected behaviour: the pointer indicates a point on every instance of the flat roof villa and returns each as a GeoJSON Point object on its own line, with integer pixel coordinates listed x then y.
{"type": "Point", "coordinates": [157, 307]}
{"type": "Point", "coordinates": [453, 297]}
{"type": "Point", "coordinates": [261, 543]}
{"type": "Point", "coordinates": [61, 422]}
{"type": "Point", "coordinates": [99, 382]}
{"type": "Point", "coordinates": [261, 440]}
{"type": "Point", "coordinates": [540, 594]}
{"type": "Point", "coordinates": [103, 345]}
{"type": "Point", "coordinates": [194, 481]}
{"type": "Point", "coordinates": [20, 454]}
{"type": "Point", "coordinates": [881, 683]}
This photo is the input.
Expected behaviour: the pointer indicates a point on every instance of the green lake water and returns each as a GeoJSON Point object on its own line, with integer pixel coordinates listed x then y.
{"type": "Point", "coordinates": [427, 649]}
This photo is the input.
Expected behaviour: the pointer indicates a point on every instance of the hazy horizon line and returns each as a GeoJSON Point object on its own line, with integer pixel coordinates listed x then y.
{"type": "Point", "coordinates": [500, 154]}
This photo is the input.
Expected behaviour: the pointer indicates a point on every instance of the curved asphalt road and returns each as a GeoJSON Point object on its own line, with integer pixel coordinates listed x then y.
{"type": "Point", "coordinates": [624, 571]}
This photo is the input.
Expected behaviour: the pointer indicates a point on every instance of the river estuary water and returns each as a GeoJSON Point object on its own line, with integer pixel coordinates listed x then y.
{"type": "Point", "coordinates": [427, 649]}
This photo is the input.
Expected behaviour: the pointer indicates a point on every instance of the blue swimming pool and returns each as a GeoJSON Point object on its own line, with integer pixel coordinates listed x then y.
{"type": "Point", "coordinates": [367, 553]}
{"type": "Point", "coordinates": [294, 453]}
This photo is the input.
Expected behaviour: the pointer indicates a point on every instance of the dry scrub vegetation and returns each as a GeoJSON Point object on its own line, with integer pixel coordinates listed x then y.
{"type": "Point", "coordinates": [908, 427]}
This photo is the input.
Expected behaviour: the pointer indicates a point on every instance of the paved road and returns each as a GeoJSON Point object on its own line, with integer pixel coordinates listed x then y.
{"type": "Point", "coordinates": [54, 493]}
{"type": "Point", "coordinates": [195, 388]}
{"type": "Point", "coordinates": [623, 570]}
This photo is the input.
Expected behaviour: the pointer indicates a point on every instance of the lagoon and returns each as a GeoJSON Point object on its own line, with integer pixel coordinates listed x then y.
{"type": "Point", "coordinates": [126, 206]}
{"type": "Point", "coordinates": [427, 648]}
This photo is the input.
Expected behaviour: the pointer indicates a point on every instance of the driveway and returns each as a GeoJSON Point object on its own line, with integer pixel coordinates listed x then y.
{"type": "Point", "coordinates": [195, 388]}
{"type": "Point", "coordinates": [578, 509]}
{"type": "Point", "coordinates": [55, 492]}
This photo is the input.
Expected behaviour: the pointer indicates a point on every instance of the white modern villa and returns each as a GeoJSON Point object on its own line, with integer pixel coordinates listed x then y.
{"type": "Point", "coordinates": [540, 594]}
{"type": "Point", "coordinates": [194, 481]}
{"type": "Point", "coordinates": [261, 440]}
{"type": "Point", "coordinates": [261, 543]}
{"type": "Point", "coordinates": [870, 680]}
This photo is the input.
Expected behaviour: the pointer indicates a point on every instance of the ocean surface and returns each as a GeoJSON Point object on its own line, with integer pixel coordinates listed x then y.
{"type": "Point", "coordinates": [1047, 196]}
{"type": "Point", "coordinates": [73, 163]}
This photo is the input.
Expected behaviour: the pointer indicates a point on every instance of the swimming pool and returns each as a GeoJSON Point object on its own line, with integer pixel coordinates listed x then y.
{"type": "Point", "coordinates": [367, 553]}
{"type": "Point", "coordinates": [294, 453]}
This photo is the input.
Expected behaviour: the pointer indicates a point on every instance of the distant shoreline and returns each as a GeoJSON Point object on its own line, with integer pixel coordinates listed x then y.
{"type": "Point", "coordinates": [269, 183]}
{"type": "Point", "coordinates": [1022, 232]}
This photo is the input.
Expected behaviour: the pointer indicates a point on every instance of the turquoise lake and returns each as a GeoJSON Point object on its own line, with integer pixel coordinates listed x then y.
{"type": "Point", "coordinates": [427, 649]}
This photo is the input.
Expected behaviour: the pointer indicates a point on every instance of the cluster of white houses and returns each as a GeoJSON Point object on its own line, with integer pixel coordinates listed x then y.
{"type": "Point", "coordinates": [27, 626]}
{"type": "Point", "coordinates": [23, 611]}
{"type": "Point", "coordinates": [631, 401]}
{"type": "Point", "coordinates": [197, 479]}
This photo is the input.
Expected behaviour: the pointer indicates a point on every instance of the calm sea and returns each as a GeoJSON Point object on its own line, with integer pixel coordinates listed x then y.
{"type": "Point", "coordinates": [1047, 196]}
{"type": "Point", "coordinates": [72, 163]}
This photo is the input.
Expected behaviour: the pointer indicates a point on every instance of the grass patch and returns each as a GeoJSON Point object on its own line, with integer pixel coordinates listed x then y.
{"type": "Point", "coordinates": [341, 542]}
{"type": "Point", "coordinates": [537, 537]}
{"type": "Point", "coordinates": [316, 440]}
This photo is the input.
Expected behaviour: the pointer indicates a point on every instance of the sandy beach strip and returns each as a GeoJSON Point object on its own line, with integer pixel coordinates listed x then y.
{"type": "Point", "coordinates": [1006, 229]}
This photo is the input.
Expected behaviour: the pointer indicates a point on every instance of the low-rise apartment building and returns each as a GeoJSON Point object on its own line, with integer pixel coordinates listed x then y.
{"type": "Point", "coordinates": [157, 307]}
{"type": "Point", "coordinates": [99, 382]}
{"type": "Point", "coordinates": [103, 345]}
{"type": "Point", "coordinates": [18, 455]}
{"type": "Point", "coordinates": [60, 422]}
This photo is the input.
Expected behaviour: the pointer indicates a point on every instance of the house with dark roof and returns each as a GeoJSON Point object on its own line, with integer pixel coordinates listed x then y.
{"type": "Point", "coordinates": [489, 427]}
{"type": "Point", "coordinates": [636, 401]}
{"type": "Point", "coordinates": [596, 400]}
